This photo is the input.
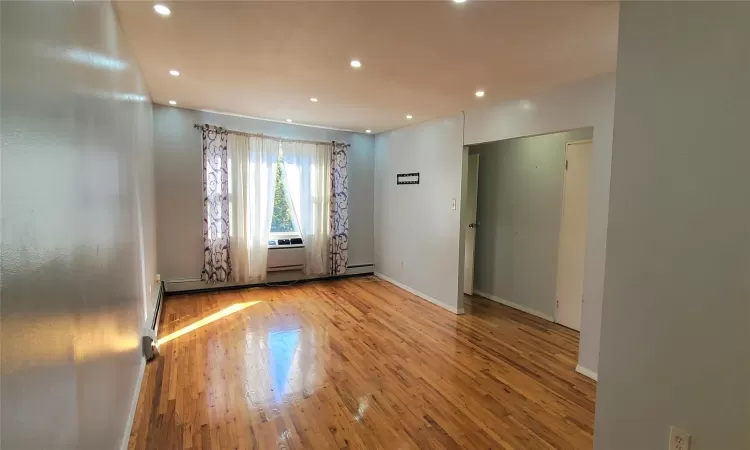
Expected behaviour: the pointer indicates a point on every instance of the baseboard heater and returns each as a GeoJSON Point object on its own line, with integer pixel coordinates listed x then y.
{"type": "Point", "coordinates": [192, 285]}
{"type": "Point", "coordinates": [150, 333]}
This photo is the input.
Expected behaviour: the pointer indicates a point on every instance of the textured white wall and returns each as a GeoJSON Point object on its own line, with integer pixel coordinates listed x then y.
{"type": "Point", "coordinates": [179, 185]}
{"type": "Point", "coordinates": [77, 226]}
{"type": "Point", "coordinates": [675, 333]}
{"type": "Point", "coordinates": [584, 104]}
{"type": "Point", "coordinates": [416, 231]}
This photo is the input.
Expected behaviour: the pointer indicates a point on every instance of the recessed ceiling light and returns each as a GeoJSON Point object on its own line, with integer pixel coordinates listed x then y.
{"type": "Point", "coordinates": [289, 120]}
{"type": "Point", "coordinates": [162, 10]}
{"type": "Point", "coordinates": [314, 100]}
{"type": "Point", "coordinates": [174, 73]}
{"type": "Point", "coordinates": [479, 93]}
{"type": "Point", "coordinates": [172, 102]}
{"type": "Point", "coordinates": [459, 1]}
{"type": "Point", "coordinates": [355, 63]}
{"type": "Point", "coordinates": [368, 131]}
{"type": "Point", "coordinates": [409, 116]}
{"type": "Point", "coordinates": [525, 104]}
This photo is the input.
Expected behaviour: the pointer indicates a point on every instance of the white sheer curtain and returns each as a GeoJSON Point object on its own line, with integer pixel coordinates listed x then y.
{"type": "Point", "coordinates": [308, 169]}
{"type": "Point", "coordinates": [252, 180]}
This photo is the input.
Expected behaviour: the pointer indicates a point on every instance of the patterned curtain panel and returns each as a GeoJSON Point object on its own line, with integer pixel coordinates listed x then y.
{"type": "Point", "coordinates": [216, 264]}
{"type": "Point", "coordinates": [339, 241]}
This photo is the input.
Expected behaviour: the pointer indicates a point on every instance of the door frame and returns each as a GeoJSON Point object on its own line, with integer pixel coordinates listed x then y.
{"type": "Point", "coordinates": [465, 222]}
{"type": "Point", "coordinates": [562, 213]}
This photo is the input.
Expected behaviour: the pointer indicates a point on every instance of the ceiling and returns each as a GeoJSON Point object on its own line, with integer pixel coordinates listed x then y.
{"type": "Point", "coordinates": [267, 59]}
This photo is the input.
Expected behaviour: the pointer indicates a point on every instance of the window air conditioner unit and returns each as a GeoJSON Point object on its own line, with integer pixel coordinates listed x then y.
{"type": "Point", "coordinates": [285, 254]}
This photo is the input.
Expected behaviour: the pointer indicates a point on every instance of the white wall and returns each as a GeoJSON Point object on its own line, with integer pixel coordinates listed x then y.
{"type": "Point", "coordinates": [77, 226]}
{"type": "Point", "coordinates": [675, 333]}
{"type": "Point", "coordinates": [416, 231]}
{"type": "Point", "coordinates": [437, 147]}
{"type": "Point", "coordinates": [179, 186]}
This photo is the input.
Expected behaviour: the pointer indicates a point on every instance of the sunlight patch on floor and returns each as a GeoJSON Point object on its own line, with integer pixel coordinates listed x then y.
{"type": "Point", "coordinates": [205, 321]}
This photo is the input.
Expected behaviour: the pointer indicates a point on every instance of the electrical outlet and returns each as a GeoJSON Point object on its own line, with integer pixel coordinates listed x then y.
{"type": "Point", "coordinates": [158, 278]}
{"type": "Point", "coordinates": [678, 439]}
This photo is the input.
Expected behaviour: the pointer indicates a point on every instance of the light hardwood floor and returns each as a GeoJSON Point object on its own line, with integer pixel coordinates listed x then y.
{"type": "Point", "coordinates": [360, 363]}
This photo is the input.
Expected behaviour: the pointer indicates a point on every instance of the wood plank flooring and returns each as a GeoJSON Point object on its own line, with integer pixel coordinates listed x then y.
{"type": "Point", "coordinates": [360, 363]}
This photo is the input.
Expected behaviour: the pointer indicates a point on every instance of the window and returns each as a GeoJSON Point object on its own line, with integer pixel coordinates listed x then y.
{"type": "Point", "coordinates": [283, 223]}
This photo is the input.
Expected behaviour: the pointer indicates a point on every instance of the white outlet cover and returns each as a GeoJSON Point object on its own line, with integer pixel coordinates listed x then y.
{"type": "Point", "coordinates": [679, 439]}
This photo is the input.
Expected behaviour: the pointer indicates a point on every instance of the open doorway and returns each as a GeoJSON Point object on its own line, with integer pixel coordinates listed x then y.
{"type": "Point", "coordinates": [524, 220]}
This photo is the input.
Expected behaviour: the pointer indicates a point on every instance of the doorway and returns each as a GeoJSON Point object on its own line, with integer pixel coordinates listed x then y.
{"type": "Point", "coordinates": [573, 230]}
{"type": "Point", "coordinates": [511, 213]}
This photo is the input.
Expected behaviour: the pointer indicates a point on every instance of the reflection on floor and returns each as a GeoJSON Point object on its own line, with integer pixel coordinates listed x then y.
{"type": "Point", "coordinates": [282, 347]}
{"type": "Point", "coordinates": [359, 363]}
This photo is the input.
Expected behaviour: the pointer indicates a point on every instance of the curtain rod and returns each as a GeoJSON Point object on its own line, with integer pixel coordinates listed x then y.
{"type": "Point", "coordinates": [274, 138]}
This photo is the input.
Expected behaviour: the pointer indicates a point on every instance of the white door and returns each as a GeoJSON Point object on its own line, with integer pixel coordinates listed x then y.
{"type": "Point", "coordinates": [573, 229]}
{"type": "Point", "coordinates": [470, 223]}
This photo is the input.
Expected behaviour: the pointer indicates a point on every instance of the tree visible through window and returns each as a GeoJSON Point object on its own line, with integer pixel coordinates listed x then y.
{"type": "Point", "coordinates": [282, 221]}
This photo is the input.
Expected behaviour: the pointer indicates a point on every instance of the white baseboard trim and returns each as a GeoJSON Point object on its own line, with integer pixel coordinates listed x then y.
{"type": "Point", "coordinates": [587, 373]}
{"type": "Point", "coordinates": [134, 405]}
{"type": "Point", "coordinates": [435, 301]}
{"type": "Point", "coordinates": [533, 312]}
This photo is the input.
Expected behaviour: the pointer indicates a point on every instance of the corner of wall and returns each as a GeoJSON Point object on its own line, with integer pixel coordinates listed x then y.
{"type": "Point", "coordinates": [587, 372]}
{"type": "Point", "coordinates": [451, 308]}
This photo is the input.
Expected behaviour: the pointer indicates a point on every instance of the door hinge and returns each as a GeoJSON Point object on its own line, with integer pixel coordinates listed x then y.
{"type": "Point", "coordinates": [566, 164]}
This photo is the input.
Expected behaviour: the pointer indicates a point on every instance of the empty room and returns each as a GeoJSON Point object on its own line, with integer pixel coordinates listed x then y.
{"type": "Point", "coordinates": [434, 224]}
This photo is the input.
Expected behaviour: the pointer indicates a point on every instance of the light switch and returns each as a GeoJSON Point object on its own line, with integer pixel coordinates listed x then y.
{"type": "Point", "coordinates": [453, 205]}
